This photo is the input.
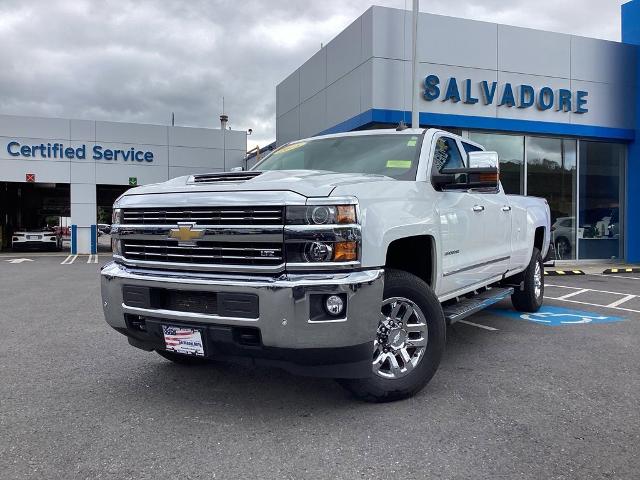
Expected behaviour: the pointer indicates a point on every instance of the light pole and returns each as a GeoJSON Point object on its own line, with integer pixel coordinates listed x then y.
{"type": "Point", "coordinates": [415, 115]}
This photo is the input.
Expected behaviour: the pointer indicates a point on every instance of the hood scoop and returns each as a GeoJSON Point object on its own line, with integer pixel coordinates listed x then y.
{"type": "Point", "coordinates": [223, 177]}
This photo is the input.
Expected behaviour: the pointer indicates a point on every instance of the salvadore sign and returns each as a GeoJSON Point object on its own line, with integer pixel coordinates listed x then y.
{"type": "Point", "coordinates": [65, 152]}
{"type": "Point", "coordinates": [504, 95]}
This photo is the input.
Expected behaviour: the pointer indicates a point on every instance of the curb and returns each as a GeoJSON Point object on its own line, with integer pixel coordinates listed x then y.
{"type": "Point", "coordinates": [559, 273]}
{"type": "Point", "coordinates": [621, 270]}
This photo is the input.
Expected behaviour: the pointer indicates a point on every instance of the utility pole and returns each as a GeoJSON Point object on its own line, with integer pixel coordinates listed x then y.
{"type": "Point", "coordinates": [415, 114]}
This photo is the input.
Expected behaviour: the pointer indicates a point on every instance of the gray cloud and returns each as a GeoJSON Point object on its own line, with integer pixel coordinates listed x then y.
{"type": "Point", "coordinates": [130, 60]}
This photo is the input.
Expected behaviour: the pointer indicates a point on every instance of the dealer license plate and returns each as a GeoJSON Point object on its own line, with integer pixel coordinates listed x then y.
{"type": "Point", "coordinates": [183, 340]}
{"type": "Point", "coordinates": [33, 237]}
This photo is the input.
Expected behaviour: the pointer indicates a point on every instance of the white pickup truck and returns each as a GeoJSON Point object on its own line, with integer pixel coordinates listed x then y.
{"type": "Point", "coordinates": [341, 255]}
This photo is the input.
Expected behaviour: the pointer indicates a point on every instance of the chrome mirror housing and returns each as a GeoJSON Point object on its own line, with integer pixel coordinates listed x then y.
{"type": "Point", "coordinates": [483, 160]}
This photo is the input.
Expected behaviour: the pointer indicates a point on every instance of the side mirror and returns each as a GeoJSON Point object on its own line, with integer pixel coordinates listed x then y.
{"type": "Point", "coordinates": [482, 171]}
{"type": "Point", "coordinates": [483, 160]}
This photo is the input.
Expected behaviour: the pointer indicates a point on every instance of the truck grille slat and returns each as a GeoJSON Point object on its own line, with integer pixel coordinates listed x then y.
{"type": "Point", "coordinates": [205, 215]}
{"type": "Point", "coordinates": [205, 252]}
{"type": "Point", "coordinates": [178, 247]}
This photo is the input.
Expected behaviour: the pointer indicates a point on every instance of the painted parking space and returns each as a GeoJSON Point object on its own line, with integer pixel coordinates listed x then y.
{"type": "Point", "coordinates": [49, 261]}
{"type": "Point", "coordinates": [594, 297]}
{"type": "Point", "coordinates": [554, 316]}
{"type": "Point", "coordinates": [93, 258]}
{"type": "Point", "coordinates": [578, 300]}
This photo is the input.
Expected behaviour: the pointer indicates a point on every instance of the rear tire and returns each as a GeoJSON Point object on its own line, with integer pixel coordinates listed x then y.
{"type": "Point", "coordinates": [412, 330]}
{"type": "Point", "coordinates": [181, 359]}
{"type": "Point", "coordinates": [530, 298]}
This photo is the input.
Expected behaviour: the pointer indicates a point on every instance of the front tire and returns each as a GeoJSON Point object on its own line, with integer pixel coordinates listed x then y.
{"type": "Point", "coordinates": [409, 343]}
{"type": "Point", "coordinates": [530, 298]}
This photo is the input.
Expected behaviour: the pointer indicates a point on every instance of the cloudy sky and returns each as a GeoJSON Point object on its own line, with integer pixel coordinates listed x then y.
{"type": "Point", "coordinates": [138, 60]}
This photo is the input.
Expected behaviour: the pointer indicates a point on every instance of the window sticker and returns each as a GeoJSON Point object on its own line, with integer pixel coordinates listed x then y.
{"type": "Point", "coordinates": [441, 155]}
{"type": "Point", "coordinates": [398, 163]}
{"type": "Point", "coordinates": [288, 148]}
{"type": "Point", "coordinates": [411, 143]}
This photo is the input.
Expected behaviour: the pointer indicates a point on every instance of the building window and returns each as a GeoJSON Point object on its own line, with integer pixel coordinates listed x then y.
{"type": "Point", "coordinates": [551, 174]}
{"type": "Point", "coordinates": [599, 218]}
{"type": "Point", "coordinates": [510, 150]}
{"type": "Point", "coordinates": [554, 172]}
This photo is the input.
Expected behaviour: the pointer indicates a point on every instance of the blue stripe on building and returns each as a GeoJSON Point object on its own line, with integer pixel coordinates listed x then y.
{"type": "Point", "coordinates": [631, 35]}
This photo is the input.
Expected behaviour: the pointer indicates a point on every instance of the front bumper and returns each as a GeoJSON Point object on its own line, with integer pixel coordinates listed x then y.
{"type": "Point", "coordinates": [288, 335]}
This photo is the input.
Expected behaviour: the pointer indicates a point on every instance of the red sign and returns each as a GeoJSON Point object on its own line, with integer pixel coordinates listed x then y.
{"type": "Point", "coordinates": [31, 177]}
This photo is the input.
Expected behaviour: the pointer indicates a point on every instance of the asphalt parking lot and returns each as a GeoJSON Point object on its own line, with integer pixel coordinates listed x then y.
{"type": "Point", "coordinates": [550, 396]}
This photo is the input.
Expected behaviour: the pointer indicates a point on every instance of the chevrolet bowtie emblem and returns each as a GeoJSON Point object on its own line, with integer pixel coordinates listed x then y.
{"type": "Point", "coordinates": [186, 234]}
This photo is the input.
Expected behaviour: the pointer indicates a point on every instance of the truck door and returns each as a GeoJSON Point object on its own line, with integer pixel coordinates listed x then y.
{"type": "Point", "coordinates": [461, 225]}
{"type": "Point", "coordinates": [496, 225]}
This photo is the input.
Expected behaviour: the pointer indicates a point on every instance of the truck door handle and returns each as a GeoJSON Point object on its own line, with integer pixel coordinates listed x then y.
{"type": "Point", "coordinates": [478, 208]}
{"type": "Point", "coordinates": [506, 208]}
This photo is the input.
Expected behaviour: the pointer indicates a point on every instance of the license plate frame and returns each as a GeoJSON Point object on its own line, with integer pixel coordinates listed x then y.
{"type": "Point", "coordinates": [183, 340]}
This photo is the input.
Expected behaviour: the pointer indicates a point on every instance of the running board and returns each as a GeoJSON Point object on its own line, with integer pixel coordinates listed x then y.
{"type": "Point", "coordinates": [469, 306]}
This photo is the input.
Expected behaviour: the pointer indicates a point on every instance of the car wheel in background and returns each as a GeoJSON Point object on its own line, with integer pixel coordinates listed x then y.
{"type": "Point", "coordinates": [563, 248]}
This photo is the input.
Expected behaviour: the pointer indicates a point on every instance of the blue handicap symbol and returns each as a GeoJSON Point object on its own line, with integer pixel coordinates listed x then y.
{"type": "Point", "coordinates": [558, 316]}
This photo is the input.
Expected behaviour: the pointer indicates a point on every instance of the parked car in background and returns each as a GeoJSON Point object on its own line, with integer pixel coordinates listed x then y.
{"type": "Point", "coordinates": [36, 239]}
{"type": "Point", "coordinates": [563, 235]}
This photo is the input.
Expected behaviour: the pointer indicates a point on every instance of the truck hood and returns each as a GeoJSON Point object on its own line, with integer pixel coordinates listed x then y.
{"type": "Point", "coordinates": [310, 183]}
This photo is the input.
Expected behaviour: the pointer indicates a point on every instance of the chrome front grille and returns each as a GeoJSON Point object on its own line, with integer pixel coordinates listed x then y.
{"type": "Point", "coordinates": [204, 253]}
{"type": "Point", "coordinates": [206, 238]}
{"type": "Point", "coordinates": [238, 216]}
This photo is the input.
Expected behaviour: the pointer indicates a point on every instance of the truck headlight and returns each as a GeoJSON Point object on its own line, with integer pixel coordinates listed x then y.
{"type": "Point", "coordinates": [321, 215]}
{"type": "Point", "coordinates": [318, 252]}
{"type": "Point", "coordinates": [116, 215]}
{"type": "Point", "coordinates": [322, 236]}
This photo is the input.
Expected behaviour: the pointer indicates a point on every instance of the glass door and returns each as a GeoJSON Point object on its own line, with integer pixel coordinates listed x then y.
{"type": "Point", "coordinates": [600, 217]}
{"type": "Point", "coordinates": [552, 174]}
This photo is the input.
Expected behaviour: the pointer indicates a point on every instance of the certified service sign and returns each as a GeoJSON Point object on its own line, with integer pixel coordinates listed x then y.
{"type": "Point", "coordinates": [61, 151]}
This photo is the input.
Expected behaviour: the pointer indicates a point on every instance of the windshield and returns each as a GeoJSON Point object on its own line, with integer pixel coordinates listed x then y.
{"type": "Point", "coordinates": [393, 155]}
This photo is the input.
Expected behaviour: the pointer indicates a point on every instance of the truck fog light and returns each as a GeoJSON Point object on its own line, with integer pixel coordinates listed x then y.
{"type": "Point", "coordinates": [318, 252]}
{"type": "Point", "coordinates": [334, 305]}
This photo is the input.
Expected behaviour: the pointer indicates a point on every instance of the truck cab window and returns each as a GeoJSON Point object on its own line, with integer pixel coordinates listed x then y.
{"type": "Point", "coordinates": [470, 148]}
{"type": "Point", "coordinates": [447, 155]}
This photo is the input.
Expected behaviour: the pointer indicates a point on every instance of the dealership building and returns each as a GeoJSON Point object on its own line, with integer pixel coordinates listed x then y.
{"type": "Point", "coordinates": [562, 111]}
{"type": "Point", "coordinates": [53, 167]}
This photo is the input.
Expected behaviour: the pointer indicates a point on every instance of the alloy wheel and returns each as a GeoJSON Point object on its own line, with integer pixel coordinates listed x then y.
{"type": "Point", "coordinates": [537, 280]}
{"type": "Point", "coordinates": [401, 339]}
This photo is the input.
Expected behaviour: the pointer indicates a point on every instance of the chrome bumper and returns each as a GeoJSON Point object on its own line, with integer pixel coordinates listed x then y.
{"type": "Point", "coordinates": [284, 303]}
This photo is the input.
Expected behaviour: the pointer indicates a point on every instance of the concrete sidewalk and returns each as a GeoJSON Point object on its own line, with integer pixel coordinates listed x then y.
{"type": "Point", "coordinates": [591, 268]}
